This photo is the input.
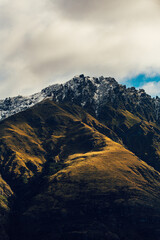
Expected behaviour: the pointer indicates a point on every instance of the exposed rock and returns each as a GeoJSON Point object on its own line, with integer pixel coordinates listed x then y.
{"type": "Point", "coordinates": [92, 94]}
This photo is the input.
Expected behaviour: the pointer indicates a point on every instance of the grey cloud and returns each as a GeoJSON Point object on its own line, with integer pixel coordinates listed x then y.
{"type": "Point", "coordinates": [87, 8]}
{"type": "Point", "coordinates": [49, 41]}
{"type": "Point", "coordinates": [99, 11]}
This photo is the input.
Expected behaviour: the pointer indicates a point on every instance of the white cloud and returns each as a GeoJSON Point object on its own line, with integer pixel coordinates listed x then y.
{"type": "Point", "coordinates": [43, 42]}
{"type": "Point", "coordinates": [152, 88]}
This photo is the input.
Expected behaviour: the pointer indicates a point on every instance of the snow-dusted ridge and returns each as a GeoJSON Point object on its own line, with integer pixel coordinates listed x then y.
{"type": "Point", "coordinates": [89, 92]}
{"type": "Point", "coordinates": [58, 92]}
{"type": "Point", "coordinates": [10, 106]}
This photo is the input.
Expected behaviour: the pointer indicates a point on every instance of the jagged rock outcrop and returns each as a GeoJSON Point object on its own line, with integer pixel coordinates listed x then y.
{"type": "Point", "coordinates": [92, 94]}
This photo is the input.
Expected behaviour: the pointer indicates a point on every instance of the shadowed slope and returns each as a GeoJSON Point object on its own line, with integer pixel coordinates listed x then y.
{"type": "Point", "coordinates": [5, 204]}
{"type": "Point", "coordinates": [138, 135]}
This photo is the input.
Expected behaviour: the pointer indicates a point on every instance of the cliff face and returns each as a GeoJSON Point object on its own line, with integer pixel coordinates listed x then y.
{"type": "Point", "coordinates": [83, 164]}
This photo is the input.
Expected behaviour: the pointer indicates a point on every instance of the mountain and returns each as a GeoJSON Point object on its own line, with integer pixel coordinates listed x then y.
{"type": "Point", "coordinates": [92, 94]}
{"type": "Point", "coordinates": [81, 164]}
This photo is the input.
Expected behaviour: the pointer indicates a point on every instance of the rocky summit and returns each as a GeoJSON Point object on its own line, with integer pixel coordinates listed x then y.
{"type": "Point", "coordinates": [90, 93]}
{"type": "Point", "coordinates": [80, 160]}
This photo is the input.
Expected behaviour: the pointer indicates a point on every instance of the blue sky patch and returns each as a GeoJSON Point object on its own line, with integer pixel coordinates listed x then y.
{"type": "Point", "coordinates": [141, 80]}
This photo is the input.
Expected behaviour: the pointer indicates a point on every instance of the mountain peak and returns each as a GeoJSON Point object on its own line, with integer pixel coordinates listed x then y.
{"type": "Point", "coordinates": [95, 80]}
{"type": "Point", "coordinates": [92, 93]}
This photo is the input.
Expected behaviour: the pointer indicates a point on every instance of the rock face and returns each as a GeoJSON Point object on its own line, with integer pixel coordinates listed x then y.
{"type": "Point", "coordinates": [82, 164]}
{"type": "Point", "coordinates": [92, 94]}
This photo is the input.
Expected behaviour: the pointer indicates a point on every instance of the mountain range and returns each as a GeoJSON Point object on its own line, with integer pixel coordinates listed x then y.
{"type": "Point", "coordinates": [80, 160]}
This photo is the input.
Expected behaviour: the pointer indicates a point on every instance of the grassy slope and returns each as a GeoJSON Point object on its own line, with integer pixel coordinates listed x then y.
{"type": "Point", "coordinates": [137, 134]}
{"type": "Point", "coordinates": [109, 192]}
{"type": "Point", "coordinates": [71, 178]}
{"type": "Point", "coordinates": [29, 138]}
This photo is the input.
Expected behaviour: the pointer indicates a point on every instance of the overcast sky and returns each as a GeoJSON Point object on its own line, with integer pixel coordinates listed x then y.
{"type": "Point", "coordinates": [43, 42]}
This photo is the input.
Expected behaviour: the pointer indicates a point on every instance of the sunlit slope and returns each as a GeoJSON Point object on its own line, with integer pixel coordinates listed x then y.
{"type": "Point", "coordinates": [136, 133]}
{"type": "Point", "coordinates": [45, 133]}
{"type": "Point", "coordinates": [21, 153]}
{"type": "Point", "coordinates": [103, 194]}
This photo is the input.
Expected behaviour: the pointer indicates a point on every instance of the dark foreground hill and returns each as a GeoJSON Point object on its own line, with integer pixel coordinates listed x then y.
{"type": "Point", "coordinates": [67, 175]}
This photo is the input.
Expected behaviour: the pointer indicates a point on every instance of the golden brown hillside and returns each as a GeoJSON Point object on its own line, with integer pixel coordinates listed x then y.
{"type": "Point", "coordinates": [71, 181]}
{"type": "Point", "coordinates": [44, 132]}
{"type": "Point", "coordinates": [104, 194]}
{"type": "Point", "coordinates": [140, 136]}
